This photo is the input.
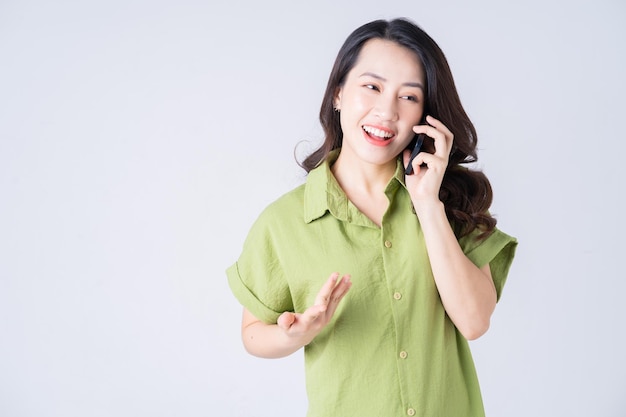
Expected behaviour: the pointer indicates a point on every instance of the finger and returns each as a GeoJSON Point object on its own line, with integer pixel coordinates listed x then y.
{"type": "Point", "coordinates": [285, 320]}
{"type": "Point", "coordinates": [440, 134]}
{"type": "Point", "coordinates": [429, 161]}
{"type": "Point", "coordinates": [312, 313]}
{"type": "Point", "coordinates": [340, 289]}
{"type": "Point", "coordinates": [338, 294]}
{"type": "Point", "coordinates": [416, 162]}
{"type": "Point", "coordinates": [438, 124]}
{"type": "Point", "coordinates": [445, 141]}
{"type": "Point", "coordinates": [324, 294]}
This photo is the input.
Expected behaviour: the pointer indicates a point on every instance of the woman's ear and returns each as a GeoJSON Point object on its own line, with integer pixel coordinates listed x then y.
{"type": "Point", "coordinates": [337, 99]}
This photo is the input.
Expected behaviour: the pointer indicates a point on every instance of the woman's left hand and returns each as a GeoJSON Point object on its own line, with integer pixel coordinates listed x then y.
{"type": "Point", "coordinates": [426, 180]}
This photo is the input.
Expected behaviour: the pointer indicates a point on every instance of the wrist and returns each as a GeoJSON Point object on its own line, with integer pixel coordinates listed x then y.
{"type": "Point", "coordinates": [425, 209]}
{"type": "Point", "coordinates": [294, 340]}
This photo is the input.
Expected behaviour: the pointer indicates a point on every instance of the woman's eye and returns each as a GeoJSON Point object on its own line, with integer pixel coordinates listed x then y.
{"type": "Point", "coordinates": [410, 98]}
{"type": "Point", "coordinates": [371, 87]}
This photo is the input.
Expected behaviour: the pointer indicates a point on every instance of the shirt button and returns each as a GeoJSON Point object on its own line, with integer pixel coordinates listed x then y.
{"type": "Point", "coordinates": [410, 412]}
{"type": "Point", "coordinates": [397, 295]}
{"type": "Point", "coordinates": [403, 354]}
{"type": "Point", "coordinates": [387, 244]}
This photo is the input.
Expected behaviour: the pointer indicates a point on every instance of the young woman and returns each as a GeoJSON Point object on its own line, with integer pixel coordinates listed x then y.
{"type": "Point", "coordinates": [382, 276]}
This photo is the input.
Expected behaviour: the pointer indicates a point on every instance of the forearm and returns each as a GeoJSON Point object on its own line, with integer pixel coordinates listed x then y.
{"type": "Point", "coordinates": [467, 291]}
{"type": "Point", "coordinates": [294, 330]}
{"type": "Point", "coordinates": [268, 340]}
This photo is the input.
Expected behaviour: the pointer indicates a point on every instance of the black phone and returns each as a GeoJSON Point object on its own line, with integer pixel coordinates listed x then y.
{"type": "Point", "coordinates": [419, 141]}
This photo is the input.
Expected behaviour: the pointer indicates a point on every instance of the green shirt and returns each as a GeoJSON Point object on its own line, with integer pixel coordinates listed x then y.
{"type": "Point", "coordinates": [390, 349]}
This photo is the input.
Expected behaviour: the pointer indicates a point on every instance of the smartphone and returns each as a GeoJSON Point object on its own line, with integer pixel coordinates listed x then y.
{"type": "Point", "coordinates": [419, 141]}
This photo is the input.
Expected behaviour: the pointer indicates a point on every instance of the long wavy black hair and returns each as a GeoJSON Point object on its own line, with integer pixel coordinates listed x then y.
{"type": "Point", "coordinates": [466, 194]}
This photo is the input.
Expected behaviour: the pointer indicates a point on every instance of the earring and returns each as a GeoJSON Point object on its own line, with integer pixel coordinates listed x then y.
{"type": "Point", "coordinates": [336, 110]}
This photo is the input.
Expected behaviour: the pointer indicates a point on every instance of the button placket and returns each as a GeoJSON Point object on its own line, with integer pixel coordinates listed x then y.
{"type": "Point", "coordinates": [397, 280]}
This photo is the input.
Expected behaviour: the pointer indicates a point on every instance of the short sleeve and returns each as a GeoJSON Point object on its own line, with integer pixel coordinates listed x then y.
{"type": "Point", "coordinates": [257, 279]}
{"type": "Point", "coordinates": [497, 250]}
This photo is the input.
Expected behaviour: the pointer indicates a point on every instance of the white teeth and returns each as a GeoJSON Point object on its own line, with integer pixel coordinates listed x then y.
{"type": "Point", "coordinates": [377, 132]}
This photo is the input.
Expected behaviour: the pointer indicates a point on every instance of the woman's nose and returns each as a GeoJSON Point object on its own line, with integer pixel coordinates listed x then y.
{"type": "Point", "coordinates": [386, 108]}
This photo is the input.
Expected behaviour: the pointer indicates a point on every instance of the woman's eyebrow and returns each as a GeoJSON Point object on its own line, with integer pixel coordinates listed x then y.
{"type": "Point", "coordinates": [381, 78]}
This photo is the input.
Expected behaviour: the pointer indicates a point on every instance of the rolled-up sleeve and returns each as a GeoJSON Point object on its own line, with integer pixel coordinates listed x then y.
{"type": "Point", "coordinates": [257, 279]}
{"type": "Point", "coordinates": [497, 250]}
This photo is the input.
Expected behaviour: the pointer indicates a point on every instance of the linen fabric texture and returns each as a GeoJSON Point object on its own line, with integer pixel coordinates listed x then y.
{"type": "Point", "coordinates": [390, 349]}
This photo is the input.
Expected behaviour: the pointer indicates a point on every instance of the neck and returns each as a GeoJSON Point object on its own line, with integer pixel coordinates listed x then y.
{"type": "Point", "coordinates": [362, 177]}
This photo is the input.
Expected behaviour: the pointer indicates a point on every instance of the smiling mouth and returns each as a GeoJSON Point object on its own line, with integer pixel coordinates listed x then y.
{"type": "Point", "coordinates": [378, 134]}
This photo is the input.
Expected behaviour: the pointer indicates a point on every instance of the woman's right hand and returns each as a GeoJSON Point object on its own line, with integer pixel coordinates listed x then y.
{"type": "Point", "coordinates": [305, 326]}
{"type": "Point", "coordinates": [294, 330]}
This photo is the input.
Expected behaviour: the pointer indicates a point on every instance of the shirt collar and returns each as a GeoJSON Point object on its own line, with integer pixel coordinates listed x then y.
{"type": "Point", "coordinates": [323, 193]}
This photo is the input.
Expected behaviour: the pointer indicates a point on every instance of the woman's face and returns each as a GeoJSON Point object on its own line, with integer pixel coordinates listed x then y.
{"type": "Point", "coordinates": [380, 102]}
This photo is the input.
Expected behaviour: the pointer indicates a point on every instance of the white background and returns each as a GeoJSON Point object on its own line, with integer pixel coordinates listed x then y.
{"type": "Point", "coordinates": [140, 139]}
